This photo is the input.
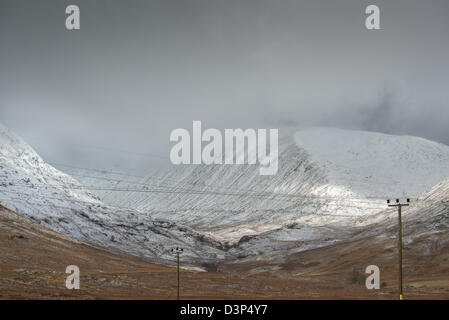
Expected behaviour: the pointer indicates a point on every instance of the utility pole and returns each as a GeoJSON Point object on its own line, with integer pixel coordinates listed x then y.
{"type": "Point", "coordinates": [399, 205]}
{"type": "Point", "coordinates": [177, 251]}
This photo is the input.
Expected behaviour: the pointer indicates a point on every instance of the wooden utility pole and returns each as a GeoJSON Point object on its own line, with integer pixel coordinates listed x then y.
{"type": "Point", "coordinates": [177, 251]}
{"type": "Point", "coordinates": [399, 205]}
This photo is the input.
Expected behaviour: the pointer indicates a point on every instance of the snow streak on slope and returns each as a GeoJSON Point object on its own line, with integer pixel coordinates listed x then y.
{"type": "Point", "coordinates": [33, 188]}
{"type": "Point", "coordinates": [326, 177]}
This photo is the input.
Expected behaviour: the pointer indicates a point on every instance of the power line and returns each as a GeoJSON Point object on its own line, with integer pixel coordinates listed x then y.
{"type": "Point", "coordinates": [101, 205]}
{"type": "Point", "coordinates": [171, 190]}
{"type": "Point", "coordinates": [165, 179]}
{"type": "Point", "coordinates": [135, 209]}
{"type": "Point", "coordinates": [153, 178]}
{"type": "Point", "coordinates": [177, 190]}
{"type": "Point", "coordinates": [233, 192]}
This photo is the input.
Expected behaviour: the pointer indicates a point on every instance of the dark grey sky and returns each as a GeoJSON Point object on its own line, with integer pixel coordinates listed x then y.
{"type": "Point", "coordinates": [138, 69]}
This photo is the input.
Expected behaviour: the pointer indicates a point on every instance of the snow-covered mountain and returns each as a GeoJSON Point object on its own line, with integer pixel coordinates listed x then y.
{"type": "Point", "coordinates": [36, 190]}
{"type": "Point", "coordinates": [331, 187]}
{"type": "Point", "coordinates": [327, 178]}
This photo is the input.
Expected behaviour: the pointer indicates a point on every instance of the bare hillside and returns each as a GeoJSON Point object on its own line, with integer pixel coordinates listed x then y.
{"type": "Point", "coordinates": [34, 259]}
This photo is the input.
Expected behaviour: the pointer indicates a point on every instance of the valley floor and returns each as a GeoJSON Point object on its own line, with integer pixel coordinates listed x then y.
{"type": "Point", "coordinates": [33, 261]}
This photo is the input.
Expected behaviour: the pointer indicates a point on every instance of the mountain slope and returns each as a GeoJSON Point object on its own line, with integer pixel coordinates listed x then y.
{"type": "Point", "coordinates": [33, 188]}
{"type": "Point", "coordinates": [326, 177]}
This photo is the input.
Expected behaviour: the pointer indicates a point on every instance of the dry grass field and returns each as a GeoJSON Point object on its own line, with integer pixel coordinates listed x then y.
{"type": "Point", "coordinates": [33, 261]}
